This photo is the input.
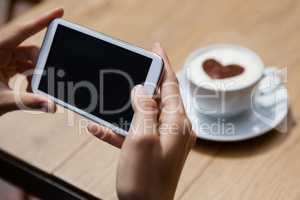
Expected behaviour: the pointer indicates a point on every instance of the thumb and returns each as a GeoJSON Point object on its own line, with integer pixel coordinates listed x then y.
{"type": "Point", "coordinates": [11, 101]}
{"type": "Point", "coordinates": [146, 110]}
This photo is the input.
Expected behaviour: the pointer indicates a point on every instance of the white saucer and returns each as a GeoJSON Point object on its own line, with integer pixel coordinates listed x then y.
{"type": "Point", "coordinates": [269, 111]}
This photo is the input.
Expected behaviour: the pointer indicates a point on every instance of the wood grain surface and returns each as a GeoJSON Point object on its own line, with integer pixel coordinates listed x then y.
{"type": "Point", "coordinates": [264, 168]}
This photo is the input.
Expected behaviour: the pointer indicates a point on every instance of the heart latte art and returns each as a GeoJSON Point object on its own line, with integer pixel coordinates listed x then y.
{"type": "Point", "coordinates": [216, 70]}
{"type": "Point", "coordinates": [224, 66]}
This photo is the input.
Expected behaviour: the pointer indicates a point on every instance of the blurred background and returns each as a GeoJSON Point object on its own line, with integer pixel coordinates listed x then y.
{"type": "Point", "coordinates": [10, 9]}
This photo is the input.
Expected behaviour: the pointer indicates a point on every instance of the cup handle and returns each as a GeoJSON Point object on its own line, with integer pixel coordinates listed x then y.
{"type": "Point", "coordinates": [276, 76]}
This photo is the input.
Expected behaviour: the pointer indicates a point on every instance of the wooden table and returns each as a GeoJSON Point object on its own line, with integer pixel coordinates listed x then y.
{"type": "Point", "coordinates": [58, 149]}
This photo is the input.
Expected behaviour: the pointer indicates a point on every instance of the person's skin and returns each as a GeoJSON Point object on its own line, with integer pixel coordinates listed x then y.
{"type": "Point", "coordinates": [15, 58]}
{"type": "Point", "coordinates": [159, 140]}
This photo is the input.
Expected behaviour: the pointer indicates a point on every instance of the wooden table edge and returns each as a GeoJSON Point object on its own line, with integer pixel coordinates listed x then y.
{"type": "Point", "coordinates": [37, 182]}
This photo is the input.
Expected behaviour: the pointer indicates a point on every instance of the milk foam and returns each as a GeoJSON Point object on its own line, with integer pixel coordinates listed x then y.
{"type": "Point", "coordinates": [226, 55]}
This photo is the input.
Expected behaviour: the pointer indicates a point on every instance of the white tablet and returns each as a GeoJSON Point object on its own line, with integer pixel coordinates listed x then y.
{"type": "Point", "coordinates": [93, 74]}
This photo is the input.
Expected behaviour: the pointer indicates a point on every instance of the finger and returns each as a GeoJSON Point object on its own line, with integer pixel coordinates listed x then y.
{"type": "Point", "coordinates": [25, 58]}
{"type": "Point", "coordinates": [30, 28]}
{"type": "Point", "coordinates": [106, 134]}
{"type": "Point", "coordinates": [145, 112]}
{"type": "Point", "coordinates": [157, 97]}
{"type": "Point", "coordinates": [11, 101]}
{"type": "Point", "coordinates": [170, 95]}
{"type": "Point", "coordinates": [169, 73]}
{"type": "Point", "coordinates": [176, 134]}
{"type": "Point", "coordinates": [26, 53]}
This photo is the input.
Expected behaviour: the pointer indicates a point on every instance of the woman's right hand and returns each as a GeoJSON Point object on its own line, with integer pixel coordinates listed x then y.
{"type": "Point", "coordinates": [159, 140]}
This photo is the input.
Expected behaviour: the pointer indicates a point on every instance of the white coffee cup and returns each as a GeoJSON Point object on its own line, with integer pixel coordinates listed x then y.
{"type": "Point", "coordinates": [229, 96]}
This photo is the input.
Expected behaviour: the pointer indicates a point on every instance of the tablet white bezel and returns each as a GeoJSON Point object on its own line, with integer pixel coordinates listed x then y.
{"type": "Point", "coordinates": [151, 82]}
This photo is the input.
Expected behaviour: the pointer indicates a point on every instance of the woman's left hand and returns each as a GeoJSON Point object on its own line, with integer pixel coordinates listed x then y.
{"type": "Point", "coordinates": [19, 59]}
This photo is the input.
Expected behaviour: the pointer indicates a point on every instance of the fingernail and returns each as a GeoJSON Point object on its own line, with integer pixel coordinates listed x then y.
{"type": "Point", "coordinates": [140, 90]}
{"type": "Point", "coordinates": [93, 129]}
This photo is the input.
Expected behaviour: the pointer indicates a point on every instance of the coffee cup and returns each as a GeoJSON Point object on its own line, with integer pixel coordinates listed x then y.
{"type": "Point", "coordinates": [223, 79]}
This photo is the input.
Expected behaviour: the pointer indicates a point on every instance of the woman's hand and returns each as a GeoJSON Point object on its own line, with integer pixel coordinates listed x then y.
{"type": "Point", "coordinates": [159, 140]}
{"type": "Point", "coordinates": [19, 59]}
